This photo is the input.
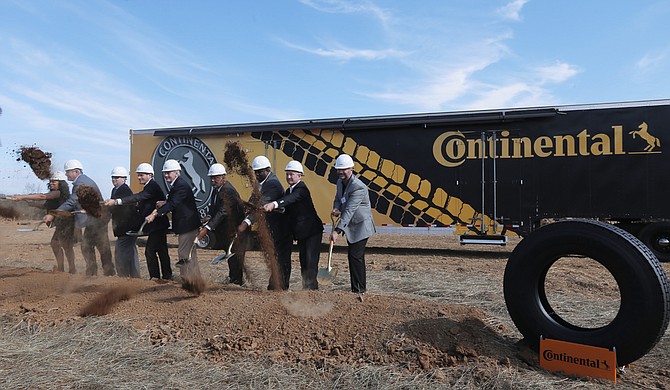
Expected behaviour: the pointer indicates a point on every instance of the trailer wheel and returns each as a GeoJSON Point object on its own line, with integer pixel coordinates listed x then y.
{"type": "Point", "coordinates": [657, 237]}
{"type": "Point", "coordinates": [643, 285]}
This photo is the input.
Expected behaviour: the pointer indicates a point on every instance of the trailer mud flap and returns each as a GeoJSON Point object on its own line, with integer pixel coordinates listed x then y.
{"type": "Point", "coordinates": [643, 285]}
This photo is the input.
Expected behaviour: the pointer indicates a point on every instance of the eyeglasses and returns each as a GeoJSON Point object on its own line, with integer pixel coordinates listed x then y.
{"type": "Point", "coordinates": [117, 177]}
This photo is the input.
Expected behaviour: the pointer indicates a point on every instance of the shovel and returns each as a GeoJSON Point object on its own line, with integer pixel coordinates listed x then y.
{"type": "Point", "coordinates": [227, 255]}
{"type": "Point", "coordinates": [30, 229]}
{"type": "Point", "coordinates": [326, 275]}
{"type": "Point", "coordinates": [184, 262]}
{"type": "Point", "coordinates": [65, 213]}
{"type": "Point", "coordinates": [139, 232]}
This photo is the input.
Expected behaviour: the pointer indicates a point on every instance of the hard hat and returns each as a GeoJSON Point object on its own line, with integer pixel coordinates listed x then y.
{"type": "Point", "coordinates": [119, 172]}
{"type": "Point", "coordinates": [73, 164]}
{"type": "Point", "coordinates": [145, 168]}
{"type": "Point", "coordinates": [58, 175]}
{"type": "Point", "coordinates": [294, 166]}
{"type": "Point", "coordinates": [216, 170]}
{"type": "Point", "coordinates": [344, 161]}
{"type": "Point", "coordinates": [260, 162]}
{"type": "Point", "coordinates": [171, 165]}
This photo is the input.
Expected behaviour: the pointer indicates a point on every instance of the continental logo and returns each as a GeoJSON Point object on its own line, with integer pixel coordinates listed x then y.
{"type": "Point", "coordinates": [452, 148]}
{"type": "Point", "coordinates": [551, 356]}
{"type": "Point", "coordinates": [194, 157]}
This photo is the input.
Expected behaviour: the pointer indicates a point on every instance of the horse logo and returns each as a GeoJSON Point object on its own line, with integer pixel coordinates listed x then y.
{"type": "Point", "coordinates": [198, 183]}
{"type": "Point", "coordinates": [652, 142]}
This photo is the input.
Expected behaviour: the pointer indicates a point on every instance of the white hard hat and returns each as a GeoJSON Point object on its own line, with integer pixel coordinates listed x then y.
{"type": "Point", "coordinates": [58, 175]}
{"type": "Point", "coordinates": [119, 172]}
{"type": "Point", "coordinates": [73, 164]}
{"type": "Point", "coordinates": [344, 161]}
{"type": "Point", "coordinates": [216, 170]}
{"type": "Point", "coordinates": [260, 162]}
{"type": "Point", "coordinates": [294, 166]}
{"type": "Point", "coordinates": [145, 168]}
{"type": "Point", "coordinates": [171, 165]}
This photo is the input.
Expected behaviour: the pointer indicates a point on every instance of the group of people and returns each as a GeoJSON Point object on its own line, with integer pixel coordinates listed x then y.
{"type": "Point", "coordinates": [288, 214]}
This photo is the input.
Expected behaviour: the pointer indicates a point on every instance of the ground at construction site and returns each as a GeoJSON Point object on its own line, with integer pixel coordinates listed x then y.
{"type": "Point", "coordinates": [434, 317]}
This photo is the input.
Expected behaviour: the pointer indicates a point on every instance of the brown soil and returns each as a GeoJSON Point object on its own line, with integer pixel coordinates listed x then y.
{"type": "Point", "coordinates": [9, 212]}
{"type": "Point", "coordinates": [237, 160]}
{"type": "Point", "coordinates": [89, 199]}
{"type": "Point", "coordinates": [431, 304]}
{"type": "Point", "coordinates": [39, 161]}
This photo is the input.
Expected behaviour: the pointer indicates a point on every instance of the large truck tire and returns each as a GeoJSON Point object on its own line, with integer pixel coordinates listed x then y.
{"type": "Point", "coordinates": [643, 285]}
{"type": "Point", "coordinates": [657, 237]}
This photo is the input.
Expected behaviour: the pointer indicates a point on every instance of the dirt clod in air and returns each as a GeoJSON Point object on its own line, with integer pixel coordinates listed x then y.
{"type": "Point", "coordinates": [237, 161]}
{"type": "Point", "coordinates": [194, 284]}
{"type": "Point", "coordinates": [39, 161]}
{"type": "Point", "coordinates": [104, 303]}
{"type": "Point", "coordinates": [89, 199]}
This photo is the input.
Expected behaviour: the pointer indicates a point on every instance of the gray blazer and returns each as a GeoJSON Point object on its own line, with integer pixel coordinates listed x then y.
{"type": "Point", "coordinates": [356, 214]}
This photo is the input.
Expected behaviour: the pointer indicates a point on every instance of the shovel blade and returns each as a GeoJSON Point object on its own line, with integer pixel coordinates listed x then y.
{"type": "Point", "coordinates": [222, 257]}
{"type": "Point", "coordinates": [326, 276]}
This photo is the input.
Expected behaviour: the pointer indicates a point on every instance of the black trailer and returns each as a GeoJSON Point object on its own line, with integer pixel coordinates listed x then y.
{"type": "Point", "coordinates": [488, 174]}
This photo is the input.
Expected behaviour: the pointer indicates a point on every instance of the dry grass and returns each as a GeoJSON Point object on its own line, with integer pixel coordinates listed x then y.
{"type": "Point", "coordinates": [100, 354]}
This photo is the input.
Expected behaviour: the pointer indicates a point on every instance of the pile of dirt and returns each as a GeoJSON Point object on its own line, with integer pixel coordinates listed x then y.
{"type": "Point", "coordinates": [39, 161]}
{"type": "Point", "coordinates": [90, 200]}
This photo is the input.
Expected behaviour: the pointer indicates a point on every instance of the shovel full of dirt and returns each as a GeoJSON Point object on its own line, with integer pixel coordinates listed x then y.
{"type": "Point", "coordinates": [65, 213]}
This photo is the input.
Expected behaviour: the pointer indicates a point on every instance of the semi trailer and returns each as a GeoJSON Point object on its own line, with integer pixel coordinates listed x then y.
{"type": "Point", "coordinates": [483, 175]}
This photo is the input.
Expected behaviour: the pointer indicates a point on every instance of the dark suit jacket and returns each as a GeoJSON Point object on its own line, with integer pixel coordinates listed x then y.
{"type": "Point", "coordinates": [124, 217]}
{"type": "Point", "coordinates": [146, 203]}
{"type": "Point", "coordinates": [227, 211]}
{"type": "Point", "coordinates": [272, 190]}
{"type": "Point", "coordinates": [181, 203]}
{"type": "Point", "coordinates": [302, 217]}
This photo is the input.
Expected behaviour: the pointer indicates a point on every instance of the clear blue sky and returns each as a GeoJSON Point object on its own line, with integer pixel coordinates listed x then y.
{"type": "Point", "coordinates": [75, 76]}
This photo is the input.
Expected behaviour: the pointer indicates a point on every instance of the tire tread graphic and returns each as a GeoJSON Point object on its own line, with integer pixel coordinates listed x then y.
{"type": "Point", "coordinates": [403, 196]}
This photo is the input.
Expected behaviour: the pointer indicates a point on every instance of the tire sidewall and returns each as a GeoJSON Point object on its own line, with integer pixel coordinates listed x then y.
{"type": "Point", "coordinates": [643, 307]}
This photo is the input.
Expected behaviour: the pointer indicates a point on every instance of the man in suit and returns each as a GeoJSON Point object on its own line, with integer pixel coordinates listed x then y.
{"type": "Point", "coordinates": [185, 218]}
{"type": "Point", "coordinates": [352, 205]}
{"type": "Point", "coordinates": [156, 248]}
{"type": "Point", "coordinates": [276, 222]}
{"type": "Point", "coordinates": [226, 213]}
{"type": "Point", "coordinates": [304, 223]}
{"type": "Point", "coordinates": [126, 258]}
{"type": "Point", "coordinates": [95, 229]}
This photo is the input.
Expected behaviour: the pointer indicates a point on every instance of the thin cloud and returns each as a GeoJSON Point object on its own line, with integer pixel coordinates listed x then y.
{"type": "Point", "coordinates": [652, 60]}
{"type": "Point", "coordinates": [343, 53]}
{"type": "Point", "coordinates": [512, 10]}
{"type": "Point", "coordinates": [556, 73]}
{"type": "Point", "coordinates": [348, 7]}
